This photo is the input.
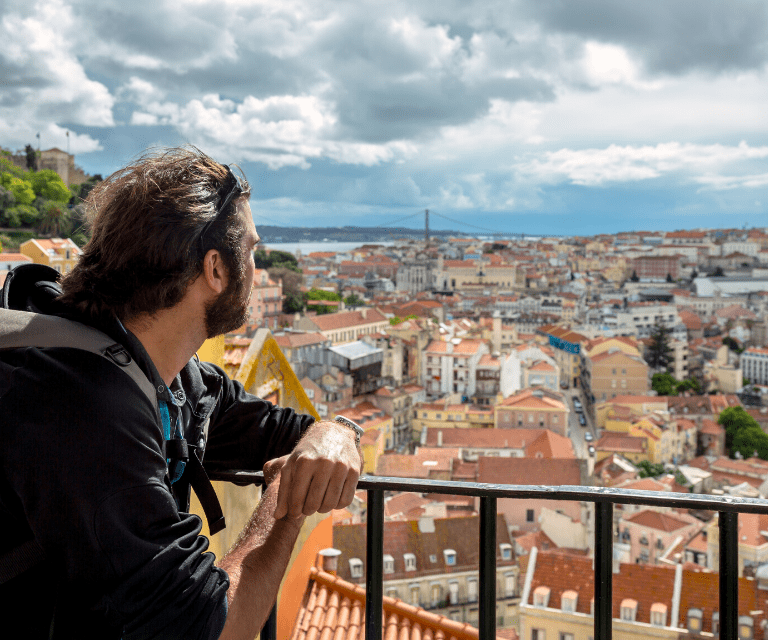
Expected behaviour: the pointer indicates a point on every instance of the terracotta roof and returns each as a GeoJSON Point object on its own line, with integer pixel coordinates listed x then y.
{"type": "Point", "coordinates": [550, 445]}
{"type": "Point", "coordinates": [292, 339]}
{"type": "Point", "coordinates": [14, 257]}
{"type": "Point", "coordinates": [346, 319]}
{"type": "Point", "coordinates": [710, 427]}
{"type": "Point", "coordinates": [464, 348]}
{"type": "Point", "coordinates": [423, 464]}
{"type": "Point", "coordinates": [618, 442]}
{"type": "Point", "coordinates": [537, 539]}
{"type": "Point", "coordinates": [335, 608]}
{"type": "Point", "coordinates": [535, 399]}
{"type": "Point", "coordinates": [543, 471]}
{"type": "Point", "coordinates": [486, 438]}
{"type": "Point", "coordinates": [655, 520]}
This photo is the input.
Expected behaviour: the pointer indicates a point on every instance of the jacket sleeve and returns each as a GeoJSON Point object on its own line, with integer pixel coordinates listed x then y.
{"type": "Point", "coordinates": [246, 431]}
{"type": "Point", "coordinates": [88, 467]}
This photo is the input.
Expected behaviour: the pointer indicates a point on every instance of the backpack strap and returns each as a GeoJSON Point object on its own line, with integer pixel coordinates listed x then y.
{"type": "Point", "coordinates": [19, 329]}
{"type": "Point", "coordinates": [23, 329]}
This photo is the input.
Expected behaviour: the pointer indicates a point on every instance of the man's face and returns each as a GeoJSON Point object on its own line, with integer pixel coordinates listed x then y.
{"type": "Point", "coordinates": [230, 310]}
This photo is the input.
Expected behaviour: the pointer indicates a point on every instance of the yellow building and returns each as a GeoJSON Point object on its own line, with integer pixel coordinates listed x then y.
{"type": "Point", "coordinates": [372, 444]}
{"type": "Point", "coordinates": [440, 415]}
{"type": "Point", "coordinates": [61, 254]}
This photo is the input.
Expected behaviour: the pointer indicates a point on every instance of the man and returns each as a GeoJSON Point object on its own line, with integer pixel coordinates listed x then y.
{"type": "Point", "coordinates": [85, 469]}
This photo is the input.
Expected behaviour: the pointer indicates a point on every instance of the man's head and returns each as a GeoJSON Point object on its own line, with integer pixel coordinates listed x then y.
{"type": "Point", "coordinates": [152, 225]}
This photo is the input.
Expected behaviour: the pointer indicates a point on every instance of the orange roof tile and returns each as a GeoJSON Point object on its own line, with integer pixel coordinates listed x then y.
{"type": "Point", "coordinates": [655, 520]}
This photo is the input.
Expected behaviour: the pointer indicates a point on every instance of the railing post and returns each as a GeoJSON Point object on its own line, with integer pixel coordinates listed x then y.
{"type": "Point", "coordinates": [487, 612]}
{"type": "Point", "coordinates": [729, 574]}
{"type": "Point", "coordinates": [374, 565]}
{"type": "Point", "coordinates": [603, 570]}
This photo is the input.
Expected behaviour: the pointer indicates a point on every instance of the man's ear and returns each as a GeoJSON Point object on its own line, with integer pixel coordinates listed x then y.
{"type": "Point", "coordinates": [215, 273]}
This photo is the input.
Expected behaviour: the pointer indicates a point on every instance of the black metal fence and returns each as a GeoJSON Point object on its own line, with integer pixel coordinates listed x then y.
{"type": "Point", "coordinates": [728, 508]}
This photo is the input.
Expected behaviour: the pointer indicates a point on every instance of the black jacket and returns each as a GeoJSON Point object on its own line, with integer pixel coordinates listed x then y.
{"type": "Point", "coordinates": [82, 470]}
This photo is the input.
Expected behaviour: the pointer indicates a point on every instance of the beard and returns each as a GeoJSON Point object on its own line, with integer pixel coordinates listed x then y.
{"type": "Point", "coordinates": [230, 310]}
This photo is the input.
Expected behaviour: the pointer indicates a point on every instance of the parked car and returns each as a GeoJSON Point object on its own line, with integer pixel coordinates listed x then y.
{"type": "Point", "coordinates": [577, 405]}
{"type": "Point", "coordinates": [591, 450]}
{"type": "Point", "coordinates": [582, 420]}
{"type": "Point", "coordinates": [588, 436]}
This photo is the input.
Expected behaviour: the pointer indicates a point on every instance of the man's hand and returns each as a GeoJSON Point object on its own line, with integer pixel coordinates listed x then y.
{"type": "Point", "coordinates": [320, 474]}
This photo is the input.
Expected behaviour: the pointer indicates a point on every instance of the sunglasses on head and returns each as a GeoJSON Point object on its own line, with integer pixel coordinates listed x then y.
{"type": "Point", "coordinates": [227, 193]}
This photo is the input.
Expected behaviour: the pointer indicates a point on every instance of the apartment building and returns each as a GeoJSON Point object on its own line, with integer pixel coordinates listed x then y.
{"type": "Point", "coordinates": [60, 254]}
{"type": "Point", "coordinates": [451, 366]}
{"type": "Point", "coordinates": [266, 302]}
{"type": "Point", "coordinates": [567, 346]}
{"type": "Point", "coordinates": [614, 373]}
{"type": "Point", "coordinates": [652, 535]}
{"type": "Point", "coordinates": [433, 563]}
{"type": "Point", "coordinates": [665, 603]}
{"type": "Point", "coordinates": [531, 408]}
{"type": "Point", "coordinates": [754, 365]}
{"type": "Point", "coordinates": [344, 326]}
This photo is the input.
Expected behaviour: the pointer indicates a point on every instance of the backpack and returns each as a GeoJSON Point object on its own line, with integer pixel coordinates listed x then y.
{"type": "Point", "coordinates": [31, 329]}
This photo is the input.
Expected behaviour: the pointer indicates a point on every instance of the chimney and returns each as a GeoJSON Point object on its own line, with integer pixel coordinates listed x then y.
{"type": "Point", "coordinates": [328, 560]}
{"type": "Point", "coordinates": [364, 313]}
{"type": "Point", "coordinates": [440, 438]}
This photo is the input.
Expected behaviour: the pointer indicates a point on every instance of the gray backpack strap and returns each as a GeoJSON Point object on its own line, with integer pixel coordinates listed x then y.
{"type": "Point", "coordinates": [19, 329]}
{"type": "Point", "coordinates": [23, 329]}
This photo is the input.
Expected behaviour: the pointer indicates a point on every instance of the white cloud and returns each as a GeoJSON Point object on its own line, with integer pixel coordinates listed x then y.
{"type": "Point", "coordinates": [597, 167]}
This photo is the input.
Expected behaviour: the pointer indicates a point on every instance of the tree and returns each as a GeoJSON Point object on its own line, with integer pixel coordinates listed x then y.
{"type": "Point", "coordinates": [275, 260]}
{"type": "Point", "coordinates": [293, 303]}
{"type": "Point", "coordinates": [743, 434]}
{"type": "Point", "coordinates": [29, 151]}
{"type": "Point", "coordinates": [664, 384]}
{"type": "Point", "coordinates": [648, 469]}
{"type": "Point", "coordinates": [322, 295]}
{"type": "Point", "coordinates": [659, 351]}
{"type": "Point", "coordinates": [22, 190]}
{"type": "Point", "coordinates": [354, 300]}
{"type": "Point", "coordinates": [732, 344]}
{"type": "Point", "coordinates": [55, 219]}
{"type": "Point", "coordinates": [690, 384]}
{"type": "Point", "coordinates": [48, 185]}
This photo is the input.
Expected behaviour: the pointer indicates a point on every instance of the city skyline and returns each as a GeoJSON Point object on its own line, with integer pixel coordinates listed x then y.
{"type": "Point", "coordinates": [541, 118]}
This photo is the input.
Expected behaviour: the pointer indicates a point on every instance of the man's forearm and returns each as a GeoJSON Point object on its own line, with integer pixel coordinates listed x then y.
{"type": "Point", "coordinates": [256, 564]}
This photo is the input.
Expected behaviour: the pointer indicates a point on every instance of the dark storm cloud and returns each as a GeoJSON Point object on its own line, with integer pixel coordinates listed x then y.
{"type": "Point", "coordinates": [671, 37]}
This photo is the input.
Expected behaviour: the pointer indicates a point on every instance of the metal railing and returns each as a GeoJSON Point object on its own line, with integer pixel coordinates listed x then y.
{"type": "Point", "coordinates": [728, 508]}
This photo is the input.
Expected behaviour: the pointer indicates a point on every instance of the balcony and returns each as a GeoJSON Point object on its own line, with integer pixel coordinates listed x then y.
{"type": "Point", "coordinates": [266, 370]}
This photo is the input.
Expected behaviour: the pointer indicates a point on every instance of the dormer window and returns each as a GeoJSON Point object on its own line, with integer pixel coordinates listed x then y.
{"type": "Point", "coordinates": [746, 628]}
{"type": "Point", "coordinates": [389, 564]}
{"type": "Point", "coordinates": [506, 551]}
{"type": "Point", "coordinates": [695, 620]}
{"type": "Point", "coordinates": [356, 567]}
{"type": "Point", "coordinates": [629, 610]}
{"type": "Point", "coordinates": [450, 557]}
{"type": "Point", "coordinates": [568, 601]}
{"type": "Point", "coordinates": [541, 597]}
{"type": "Point", "coordinates": [410, 561]}
{"type": "Point", "coordinates": [659, 614]}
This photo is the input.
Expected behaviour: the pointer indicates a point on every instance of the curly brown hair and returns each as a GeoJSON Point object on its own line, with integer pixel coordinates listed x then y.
{"type": "Point", "coordinates": [147, 220]}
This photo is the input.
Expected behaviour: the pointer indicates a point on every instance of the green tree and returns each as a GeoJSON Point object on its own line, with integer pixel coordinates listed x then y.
{"type": "Point", "coordinates": [275, 260]}
{"type": "Point", "coordinates": [22, 190]}
{"type": "Point", "coordinates": [29, 151]}
{"type": "Point", "coordinates": [743, 434]}
{"type": "Point", "coordinates": [48, 185]}
{"type": "Point", "coordinates": [55, 219]}
{"type": "Point", "coordinates": [321, 294]}
{"type": "Point", "coordinates": [6, 199]}
{"type": "Point", "coordinates": [354, 300]}
{"type": "Point", "coordinates": [732, 344]}
{"type": "Point", "coordinates": [690, 384]}
{"type": "Point", "coordinates": [659, 351]}
{"type": "Point", "coordinates": [648, 469]}
{"type": "Point", "coordinates": [293, 303]}
{"type": "Point", "coordinates": [664, 384]}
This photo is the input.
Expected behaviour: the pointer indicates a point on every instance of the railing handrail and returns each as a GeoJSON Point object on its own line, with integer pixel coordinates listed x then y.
{"type": "Point", "coordinates": [577, 493]}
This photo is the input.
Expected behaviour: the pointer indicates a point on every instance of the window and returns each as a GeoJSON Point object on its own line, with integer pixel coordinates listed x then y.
{"type": "Point", "coordinates": [356, 567]}
{"type": "Point", "coordinates": [541, 597]}
{"type": "Point", "coordinates": [659, 614]}
{"type": "Point", "coordinates": [432, 557]}
{"type": "Point", "coordinates": [415, 594]}
{"type": "Point", "coordinates": [628, 610]}
{"type": "Point", "coordinates": [506, 551]}
{"type": "Point", "coordinates": [392, 592]}
{"type": "Point", "coordinates": [529, 515]}
{"type": "Point", "coordinates": [472, 590]}
{"type": "Point", "coordinates": [435, 593]}
{"type": "Point", "coordinates": [389, 564]}
{"type": "Point", "coordinates": [450, 557]}
{"type": "Point", "coordinates": [566, 636]}
{"type": "Point", "coordinates": [694, 620]}
{"type": "Point", "coordinates": [453, 592]}
{"type": "Point", "coordinates": [410, 561]}
{"type": "Point", "coordinates": [538, 634]}
{"type": "Point", "coordinates": [510, 584]}
{"type": "Point", "coordinates": [746, 628]}
{"type": "Point", "coordinates": [568, 601]}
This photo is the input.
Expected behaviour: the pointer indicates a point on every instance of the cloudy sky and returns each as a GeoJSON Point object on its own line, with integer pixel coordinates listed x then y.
{"type": "Point", "coordinates": [520, 115]}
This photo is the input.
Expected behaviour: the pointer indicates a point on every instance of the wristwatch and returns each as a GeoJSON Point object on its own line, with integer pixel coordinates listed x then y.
{"type": "Point", "coordinates": [351, 425]}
